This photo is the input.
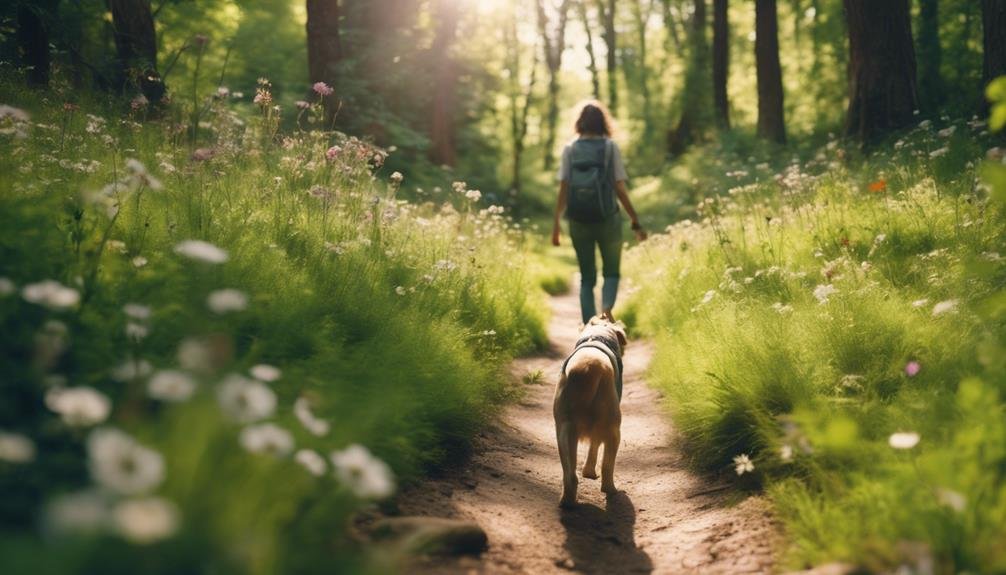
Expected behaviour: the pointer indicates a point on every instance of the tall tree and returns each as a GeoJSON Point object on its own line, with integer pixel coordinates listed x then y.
{"type": "Point", "coordinates": [521, 99]}
{"type": "Point", "coordinates": [641, 11]}
{"type": "Point", "coordinates": [136, 46]}
{"type": "Point", "coordinates": [606, 10]}
{"type": "Point", "coordinates": [695, 118]}
{"type": "Point", "coordinates": [993, 42]}
{"type": "Point", "coordinates": [882, 89]}
{"type": "Point", "coordinates": [721, 61]}
{"type": "Point", "coordinates": [554, 41]}
{"type": "Point", "coordinates": [771, 122]}
{"type": "Point", "coordinates": [33, 42]}
{"type": "Point", "coordinates": [930, 56]}
{"type": "Point", "coordinates": [595, 80]}
{"type": "Point", "coordinates": [443, 150]}
{"type": "Point", "coordinates": [324, 48]}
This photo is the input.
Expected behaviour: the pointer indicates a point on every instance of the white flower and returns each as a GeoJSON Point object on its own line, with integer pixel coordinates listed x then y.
{"type": "Point", "coordinates": [903, 440]}
{"type": "Point", "coordinates": [146, 520]}
{"type": "Point", "coordinates": [245, 400]}
{"type": "Point", "coordinates": [265, 372]}
{"type": "Point", "coordinates": [743, 464]}
{"type": "Point", "coordinates": [132, 369]}
{"type": "Point", "coordinates": [939, 152]}
{"type": "Point", "coordinates": [312, 461]}
{"type": "Point", "coordinates": [81, 512]}
{"type": "Point", "coordinates": [120, 463]}
{"type": "Point", "coordinates": [920, 303]}
{"type": "Point", "coordinates": [201, 251]}
{"type": "Point", "coordinates": [171, 385]}
{"type": "Point", "coordinates": [16, 448]}
{"type": "Point", "coordinates": [781, 308]}
{"type": "Point", "coordinates": [195, 355]}
{"type": "Point", "coordinates": [7, 287]}
{"type": "Point", "coordinates": [786, 452]}
{"type": "Point", "coordinates": [267, 438]}
{"type": "Point", "coordinates": [137, 311]}
{"type": "Point", "coordinates": [473, 195]}
{"type": "Point", "coordinates": [947, 132]}
{"type": "Point", "coordinates": [136, 331]}
{"type": "Point", "coordinates": [397, 178]}
{"type": "Point", "coordinates": [951, 499]}
{"type": "Point", "coordinates": [139, 261]}
{"type": "Point", "coordinates": [945, 306]}
{"type": "Point", "coordinates": [823, 292]}
{"type": "Point", "coordinates": [365, 475]}
{"type": "Point", "coordinates": [226, 300]}
{"type": "Point", "coordinates": [79, 406]}
{"type": "Point", "coordinates": [51, 294]}
{"type": "Point", "coordinates": [302, 409]}
{"type": "Point", "coordinates": [708, 297]}
{"type": "Point", "coordinates": [400, 290]}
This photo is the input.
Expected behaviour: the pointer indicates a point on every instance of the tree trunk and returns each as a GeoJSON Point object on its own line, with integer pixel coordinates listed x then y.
{"type": "Point", "coordinates": [595, 81]}
{"type": "Point", "coordinates": [695, 95]}
{"type": "Point", "coordinates": [721, 61]}
{"type": "Point", "coordinates": [324, 49]}
{"type": "Point", "coordinates": [607, 12]}
{"type": "Point", "coordinates": [136, 46]}
{"type": "Point", "coordinates": [930, 82]}
{"type": "Point", "coordinates": [443, 150]}
{"type": "Point", "coordinates": [33, 41]}
{"type": "Point", "coordinates": [641, 15]}
{"type": "Point", "coordinates": [882, 89]}
{"type": "Point", "coordinates": [771, 123]}
{"type": "Point", "coordinates": [554, 48]}
{"type": "Point", "coordinates": [519, 111]}
{"type": "Point", "coordinates": [993, 42]}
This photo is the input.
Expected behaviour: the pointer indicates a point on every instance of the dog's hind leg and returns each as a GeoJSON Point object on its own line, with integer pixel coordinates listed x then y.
{"type": "Point", "coordinates": [608, 462]}
{"type": "Point", "coordinates": [590, 466]}
{"type": "Point", "coordinates": [566, 435]}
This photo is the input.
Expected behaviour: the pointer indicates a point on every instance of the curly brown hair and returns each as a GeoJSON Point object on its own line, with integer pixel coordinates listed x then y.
{"type": "Point", "coordinates": [594, 120]}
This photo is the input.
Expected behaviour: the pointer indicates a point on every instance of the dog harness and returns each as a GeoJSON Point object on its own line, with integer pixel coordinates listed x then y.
{"type": "Point", "coordinates": [606, 345]}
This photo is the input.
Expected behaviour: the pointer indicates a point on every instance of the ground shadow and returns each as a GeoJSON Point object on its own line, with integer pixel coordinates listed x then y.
{"type": "Point", "coordinates": [601, 540]}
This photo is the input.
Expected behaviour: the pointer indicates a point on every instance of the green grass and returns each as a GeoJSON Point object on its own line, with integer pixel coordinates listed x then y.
{"type": "Point", "coordinates": [753, 362]}
{"type": "Point", "coordinates": [394, 320]}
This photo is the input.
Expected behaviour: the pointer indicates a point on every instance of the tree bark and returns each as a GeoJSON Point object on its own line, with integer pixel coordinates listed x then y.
{"type": "Point", "coordinates": [554, 48]}
{"type": "Point", "coordinates": [33, 41]}
{"type": "Point", "coordinates": [136, 46]}
{"type": "Point", "coordinates": [641, 15]}
{"type": "Point", "coordinates": [607, 12]}
{"type": "Point", "coordinates": [771, 122]}
{"type": "Point", "coordinates": [993, 43]}
{"type": "Point", "coordinates": [695, 95]}
{"type": "Point", "coordinates": [930, 56]}
{"type": "Point", "coordinates": [324, 49]}
{"type": "Point", "coordinates": [595, 81]}
{"type": "Point", "coordinates": [721, 61]}
{"type": "Point", "coordinates": [443, 150]}
{"type": "Point", "coordinates": [519, 111]}
{"type": "Point", "coordinates": [882, 90]}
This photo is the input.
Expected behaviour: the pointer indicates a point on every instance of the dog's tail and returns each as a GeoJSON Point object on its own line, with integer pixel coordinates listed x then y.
{"type": "Point", "coordinates": [582, 384]}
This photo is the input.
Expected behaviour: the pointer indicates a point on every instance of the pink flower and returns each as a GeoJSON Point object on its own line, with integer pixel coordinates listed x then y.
{"type": "Point", "coordinates": [322, 89]}
{"type": "Point", "coordinates": [912, 368]}
{"type": "Point", "coordinates": [302, 105]}
{"type": "Point", "coordinates": [332, 153]}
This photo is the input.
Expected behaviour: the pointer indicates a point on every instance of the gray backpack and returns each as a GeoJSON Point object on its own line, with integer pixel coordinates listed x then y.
{"type": "Point", "coordinates": [591, 182]}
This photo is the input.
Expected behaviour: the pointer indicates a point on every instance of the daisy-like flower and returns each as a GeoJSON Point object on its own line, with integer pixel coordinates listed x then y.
{"type": "Point", "coordinates": [823, 292]}
{"type": "Point", "coordinates": [312, 461]}
{"type": "Point", "coordinates": [79, 406]}
{"type": "Point", "coordinates": [171, 385]}
{"type": "Point", "coordinates": [365, 475]}
{"type": "Point", "coordinates": [267, 438]}
{"type": "Point", "coordinates": [265, 372]}
{"type": "Point", "coordinates": [120, 463]}
{"type": "Point", "coordinates": [302, 409]}
{"type": "Point", "coordinates": [944, 307]}
{"type": "Point", "coordinates": [146, 520]}
{"type": "Point", "coordinates": [51, 294]}
{"type": "Point", "coordinates": [201, 251]}
{"type": "Point", "coordinates": [16, 448]}
{"type": "Point", "coordinates": [743, 464]}
{"type": "Point", "coordinates": [903, 440]}
{"type": "Point", "coordinates": [245, 400]}
{"type": "Point", "coordinates": [226, 300]}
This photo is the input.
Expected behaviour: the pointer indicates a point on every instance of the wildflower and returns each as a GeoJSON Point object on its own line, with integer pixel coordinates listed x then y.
{"type": "Point", "coordinates": [877, 186]}
{"type": "Point", "coordinates": [132, 369]}
{"type": "Point", "coordinates": [920, 303]}
{"type": "Point", "coordinates": [195, 355]}
{"type": "Point", "coordinates": [940, 152]}
{"type": "Point", "coordinates": [245, 400]}
{"type": "Point", "coordinates": [952, 499]}
{"type": "Point", "coordinates": [137, 311]}
{"type": "Point", "coordinates": [322, 89]}
{"type": "Point", "coordinates": [16, 114]}
{"type": "Point", "coordinates": [459, 187]}
{"type": "Point", "coordinates": [265, 372]}
{"type": "Point", "coordinates": [51, 294]}
{"type": "Point", "coordinates": [312, 461]}
{"type": "Point", "coordinates": [947, 132]}
{"type": "Point", "coordinates": [171, 385]}
{"type": "Point", "coordinates": [201, 251]}
{"type": "Point", "coordinates": [400, 290]}
{"type": "Point", "coordinates": [903, 440]}
{"type": "Point", "coordinates": [708, 297]}
{"type": "Point", "coordinates": [120, 463]}
{"type": "Point", "coordinates": [944, 307]}
{"type": "Point", "coordinates": [226, 300]}
{"type": "Point", "coordinates": [146, 520]}
{"type": "Point", "coordinates": [7, 287]}
{"type": "Point", "coordinates": [782, 309]}
{"type": "Point", "coordinates": [823, 292]}
{"type": "Point", "coordinates": [203, 154]}
{"type": "Point", "coordinates": [136, 331]}
{"type": "Point", "coordinates": [81, 512]}
{"type": "Point", "coordinates": [396, 178]}
{"type": "Point", "coordinates": [365, 475]}
{"type": "Point", "coordinates": [302, 409]}
{"type": "Point", "coordinates": [262, 97]}
{"type": "Point", "coordinates": [223, 91]}
{"type": "Point", "coordinates": [473, 195]}
{"type": "Point", "coordinates": [267, 438]}
{"type": "Point", "coordinates": [924, 124]}
{"type": "Point", "coordinates": [332, 153]}
{"type": "Point", "coordinates": [912, 368]}
{"type": "Point", "coordinates": [79, 406]}
{"type": "Point", "coordinates": [786, 452]}
{"type": "Point", "coordinates": [743, 464]}
{"type": "Point", "coordinates": [16, 448]}
{"type": "Point", "coordinates": [140, 176]}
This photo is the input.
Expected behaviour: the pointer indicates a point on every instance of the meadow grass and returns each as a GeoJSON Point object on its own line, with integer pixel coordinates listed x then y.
{"type": "Point", "coordinates": [357, 324]}
{"type": "Point", "coordinates": [839, 322]}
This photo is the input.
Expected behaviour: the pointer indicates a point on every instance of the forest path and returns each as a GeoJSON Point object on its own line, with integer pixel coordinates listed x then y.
{"type": "Point", "coordinates": [665, 519]}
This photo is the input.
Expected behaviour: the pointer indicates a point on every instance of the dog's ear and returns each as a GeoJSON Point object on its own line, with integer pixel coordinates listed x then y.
{"type": "Point", "coordinates": [620, 334]}
{"type": "Point", "coordinates": [606, 316]}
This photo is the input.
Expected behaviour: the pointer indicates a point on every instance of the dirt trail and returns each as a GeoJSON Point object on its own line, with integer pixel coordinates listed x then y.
{"type": "Point", "coordinates": [666, 519]}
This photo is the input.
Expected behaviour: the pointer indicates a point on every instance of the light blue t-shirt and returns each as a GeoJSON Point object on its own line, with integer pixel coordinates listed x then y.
{"type": "Point", "coordinates": [616, 161]}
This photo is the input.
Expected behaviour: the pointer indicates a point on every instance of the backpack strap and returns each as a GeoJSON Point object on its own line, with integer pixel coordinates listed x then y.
{"type": "Point", "coordinates": [609, 152]}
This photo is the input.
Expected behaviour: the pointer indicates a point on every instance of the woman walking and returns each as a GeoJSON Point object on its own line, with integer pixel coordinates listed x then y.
{"type": "Point", "coordinates": [591, 176]}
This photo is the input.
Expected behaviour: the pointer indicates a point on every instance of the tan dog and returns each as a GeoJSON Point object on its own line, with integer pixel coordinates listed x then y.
{"type": "Point", "coordinates": [586, 405]}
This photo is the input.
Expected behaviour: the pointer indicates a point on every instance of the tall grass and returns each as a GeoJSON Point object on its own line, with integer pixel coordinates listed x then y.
{"type": "Point", "coordinates": [369, 321]}
{"type": "Point", "coordinates": [841, 324]}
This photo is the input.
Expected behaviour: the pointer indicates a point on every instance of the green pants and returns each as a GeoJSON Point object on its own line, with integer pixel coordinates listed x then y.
{"type": "Point", "coordinates": [587, 238]}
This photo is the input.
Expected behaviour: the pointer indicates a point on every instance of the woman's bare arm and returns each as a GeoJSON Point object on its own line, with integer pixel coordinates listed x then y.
{"type": "Point", "coordinates": [560, 206]}
{"type": "Point", "coordinates": [623, 197]}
